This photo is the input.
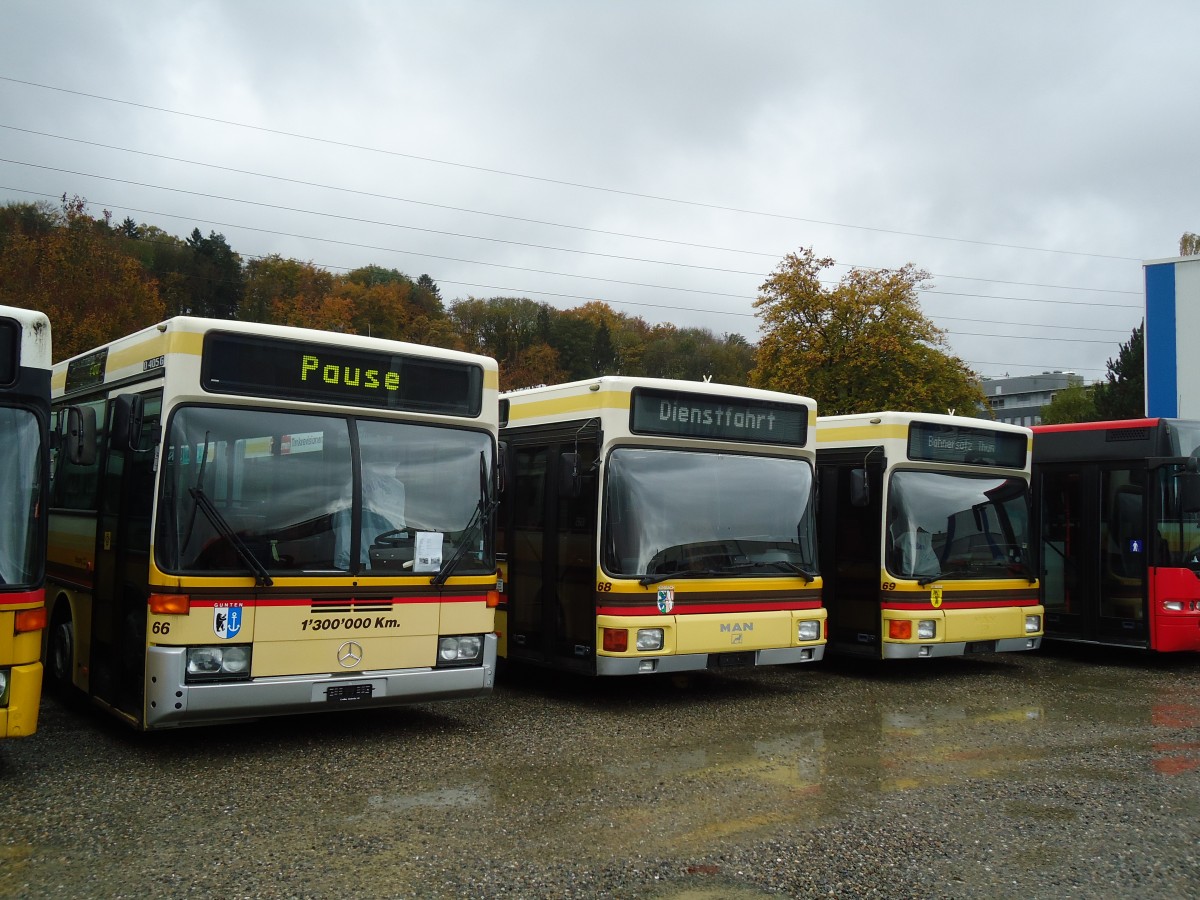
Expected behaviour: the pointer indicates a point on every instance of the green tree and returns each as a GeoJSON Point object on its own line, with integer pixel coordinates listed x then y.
{"type": "Point", "coordinates": [30, 220]}
{"type": "Point", "coordinates": [1189, 244]}
{"type": "Point", "coordinates": [502, 327]}
{"type": "Point", "coordinates": [1123, 394]}
{"type": "Point", "coordinates": [1074, 403]}
{"type": "Point", "coordinates": [859, 346]}
{"type": "Point", "coordinates": [216, 280]}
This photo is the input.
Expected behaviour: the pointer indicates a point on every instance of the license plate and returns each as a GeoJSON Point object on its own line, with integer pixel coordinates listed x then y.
{"type": "Point", "coordinates": [730, 660]}
{"type": "Point", "coordinates": [981, 647]}
{"type": "Point", "coordinates": [349, 693]}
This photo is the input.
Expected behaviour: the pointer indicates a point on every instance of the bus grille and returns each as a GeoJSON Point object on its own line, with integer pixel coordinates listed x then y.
{"type": "Point", "coordinates": [352, 604]}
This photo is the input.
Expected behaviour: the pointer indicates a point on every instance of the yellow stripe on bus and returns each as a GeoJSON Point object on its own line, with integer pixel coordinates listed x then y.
{"type": "Point", "coordinates": [590, 402]}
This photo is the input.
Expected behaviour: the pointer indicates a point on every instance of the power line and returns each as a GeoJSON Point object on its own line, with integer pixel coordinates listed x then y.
{"type": "Point", "coordinates": [540, 271]}
{"type": "Point", "coordinates": [487, 239]}
{"type": "Point", "coordinates": [525, 291]}
{"type": "Point", "coordinates": [561, 182]}
{"type": "Point", "coordinates": [582, 228]}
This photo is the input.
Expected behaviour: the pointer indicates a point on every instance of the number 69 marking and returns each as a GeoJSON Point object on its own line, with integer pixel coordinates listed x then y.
{"type": "Point", "coordinates": [888, 586]}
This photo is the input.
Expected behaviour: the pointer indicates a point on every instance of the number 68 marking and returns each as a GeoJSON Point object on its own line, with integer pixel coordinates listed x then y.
{"type": "Point", "coordinates": [604, 587]}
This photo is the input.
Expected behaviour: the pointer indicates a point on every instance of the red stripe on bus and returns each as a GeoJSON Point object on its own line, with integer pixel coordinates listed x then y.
{"type": "Point", "coordinates": [326, 601]}
{"type": "Point", "coordinates": [21, 598]}
{"type": "Point", "coordinates": [962, 604]}
{"type": "Point", "coordinates": [1097, 426]}
{"type": "Point", "coordinates": [682, 609]}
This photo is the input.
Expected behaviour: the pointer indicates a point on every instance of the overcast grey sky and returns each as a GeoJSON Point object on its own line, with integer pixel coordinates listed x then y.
{"type": "Point", "coordinates": [659, 156]}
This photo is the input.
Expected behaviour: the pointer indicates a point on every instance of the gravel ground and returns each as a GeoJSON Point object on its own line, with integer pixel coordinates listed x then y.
{"type": "Point", "coordinates": [1072, 774]}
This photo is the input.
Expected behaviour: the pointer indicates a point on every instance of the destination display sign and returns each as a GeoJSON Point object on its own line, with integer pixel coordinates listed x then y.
{"type": "Point", "coordinates": [295, 370]}
{"type": "Point", "coordinates": [938, 442]}
{"type": "Point", "coordinates": [86, 371]}
{"type": "Point", "coordinates": [682, 414]}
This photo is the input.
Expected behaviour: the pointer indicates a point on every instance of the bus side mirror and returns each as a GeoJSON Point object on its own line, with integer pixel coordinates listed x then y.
{"type": "Point", "coordinates": [127, 422]}
{"type": "Point", "coordinates": [81, 435]}
{"type": "Point", "coordinates": [1189, 492]}
{"type": "Point", "coordinates": [860, 488]}
{"type": "Point", "coordinates": [570, 483]}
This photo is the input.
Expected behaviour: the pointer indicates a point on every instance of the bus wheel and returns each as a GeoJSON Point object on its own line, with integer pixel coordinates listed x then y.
{"type": "Point", "coordinates": [60, 658]}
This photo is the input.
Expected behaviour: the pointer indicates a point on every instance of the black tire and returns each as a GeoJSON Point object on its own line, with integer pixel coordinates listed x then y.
{"type": "Point", "coordinates": [60, 651]}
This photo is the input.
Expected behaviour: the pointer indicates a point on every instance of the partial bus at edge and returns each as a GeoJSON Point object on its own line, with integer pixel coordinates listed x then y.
{"type": "Point", "coordinates": [25, 360]}
{"type": "Point", "coordinates": [1118, 521]}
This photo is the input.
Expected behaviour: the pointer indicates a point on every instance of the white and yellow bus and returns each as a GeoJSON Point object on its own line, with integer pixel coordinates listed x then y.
{"type": "Point", "coordinates": [24, 468]}
{"type": "Point", "coordinates": [248, 520]}
{"type": "Point", "coordinates": [652, 525]}
{"type": "Point", "coordinates": [925, 535]}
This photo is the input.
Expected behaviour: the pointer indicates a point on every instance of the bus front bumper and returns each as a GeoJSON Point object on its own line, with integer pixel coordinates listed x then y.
{"type": "Point", "coordinates": [19, 718]}
{"type": "Point", "coordinates": [172, 702]}
{"type": "Point", "coordinates": [959, 648]}
{"type": "Point", "coordinates": [698, 662]}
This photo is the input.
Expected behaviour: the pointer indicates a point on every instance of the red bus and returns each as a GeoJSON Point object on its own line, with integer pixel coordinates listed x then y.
{"type": "Point", "coordinates": [1118, 525]}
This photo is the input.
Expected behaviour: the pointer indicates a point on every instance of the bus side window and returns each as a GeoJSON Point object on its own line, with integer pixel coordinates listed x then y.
{"type": "Point", "coordinates": [75, 481]}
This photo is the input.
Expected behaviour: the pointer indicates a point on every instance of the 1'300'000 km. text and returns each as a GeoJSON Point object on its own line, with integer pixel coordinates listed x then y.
{"type": "Point", "coordinates": [362, 623]}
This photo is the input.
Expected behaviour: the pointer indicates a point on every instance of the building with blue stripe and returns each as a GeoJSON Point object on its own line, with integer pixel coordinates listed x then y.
{"type": "Point", "coordinates": [1173, 338]}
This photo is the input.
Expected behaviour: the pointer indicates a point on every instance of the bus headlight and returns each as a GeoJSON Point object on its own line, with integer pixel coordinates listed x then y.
{"type": "Point", "coordinates": [650, 639]}
{"type": "Point", "coordinates": [460, 650]}
{"type": "Point", "coordinates": [809, 630]}
{"type": "Point", "coordinates": [926, 630]}
{"type": "Point", "coordinates": [4, 681]}
{"type": "Point", "coordinates": [1033, 624]}
{"type": "Point", "coordinates": [222, 663]}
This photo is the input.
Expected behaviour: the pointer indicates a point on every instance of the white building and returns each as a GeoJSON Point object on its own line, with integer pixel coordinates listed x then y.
{"type": "Point", "coordinates": [1018, 400]}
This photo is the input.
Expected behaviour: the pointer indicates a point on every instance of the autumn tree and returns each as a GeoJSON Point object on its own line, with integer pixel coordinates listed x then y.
{"type": "Point", "coordinates": [77, 274]}
{"type": "Point", "coordinates": [284, 291]}
{"type": "Point", "coordinates": [1189, 244]}
{"type": "Point", "coordinates": [861, 345]}
{"type": "Point", "coordinates": [1122, 395]}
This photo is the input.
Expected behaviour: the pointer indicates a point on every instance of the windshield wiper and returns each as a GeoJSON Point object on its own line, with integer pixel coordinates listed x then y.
{"type": "Point", "coordinates": [481, 517]}
{"type": "Point", "coordinates": [808, 576]}
{"type": "Point", "coordinates": [647, 580]}
{"type": "Point", "coordinates": [262, 577]}
{"type": "Point", "coordinates": [787, 565]}
{"type": "Point", "coordinates": [1027, 570]}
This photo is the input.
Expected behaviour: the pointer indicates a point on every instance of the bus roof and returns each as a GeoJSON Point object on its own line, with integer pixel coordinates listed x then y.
{"type": "Point", "coordinates": [184, 334]}
{"type": "Point", "coordinates": [35, 346]}
{"type": "Point", "coordinates": [626, 383]}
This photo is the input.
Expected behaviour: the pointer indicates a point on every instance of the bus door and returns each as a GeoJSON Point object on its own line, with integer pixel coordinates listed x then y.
{"type": "Point", "coordinates": [551, 549]}
{"type": "Point", "coordinates": [849, 545]}
{"type": "Point", "coordinates": [1093, 552]}
{"type": "Point", "coordinates": [118, 652]}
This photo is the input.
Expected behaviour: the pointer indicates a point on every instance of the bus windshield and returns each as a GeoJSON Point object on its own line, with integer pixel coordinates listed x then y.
{"type": "Point", "coordinates": [958, 526]}
{"type": "Point", "coordinates": [679, 511]}
{"type": "Point", "coordinates": [291, 486]}
{"type": "Point", "coordinates": [1179, 526]}
{"type": "Point", "coordinates": [20, 551]}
